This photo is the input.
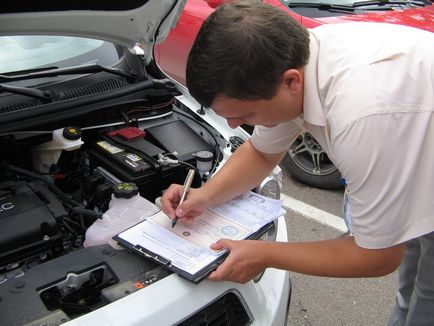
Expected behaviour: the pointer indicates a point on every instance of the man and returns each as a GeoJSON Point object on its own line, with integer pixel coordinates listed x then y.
{"type": "Point", "coordinates": [366, 93]}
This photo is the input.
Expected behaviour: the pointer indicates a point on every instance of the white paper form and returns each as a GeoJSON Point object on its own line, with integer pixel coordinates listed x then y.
{"type": "Point", "coordinates": [207, 229]}
{"type": "Point", "coordinates": [187, 246]}
{"type": "Point", "coordinates": [159, 239]}
{"type": "Point", "coordinates": [251, 209]}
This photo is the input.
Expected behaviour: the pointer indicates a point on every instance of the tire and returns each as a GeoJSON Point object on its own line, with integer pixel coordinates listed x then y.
{"type": "Point", "coordinates": [307, 162]}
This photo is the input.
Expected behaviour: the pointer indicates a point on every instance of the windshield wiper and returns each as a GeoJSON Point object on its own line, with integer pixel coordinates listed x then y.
{"type": "Point", "coordinates": [355, 5]}
{"type": "Point", "coordinates": [32, 92]}
{"type": "Point", "coordinates": [321, 6]}
{"type": "Point", "coordinates": [89, 69]}
{"type": "Point", "coordinates": [388, 2]}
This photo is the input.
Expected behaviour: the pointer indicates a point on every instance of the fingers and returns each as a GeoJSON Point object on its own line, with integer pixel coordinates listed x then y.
{"type": "Point", "coordinates": [186, 212]}
{"type": "Point", "coordinates": [170, 200]}
{"type": "Point", "coordinates": [221, 244]}
{"type": "Point", "coordinates": [228, 272]}
{"type": "Point", "coordinates": [224, 271]}
{"type": "Point", "coordinates": [242, 263]}
{"type": "Point", "coordinates": [190, 209]}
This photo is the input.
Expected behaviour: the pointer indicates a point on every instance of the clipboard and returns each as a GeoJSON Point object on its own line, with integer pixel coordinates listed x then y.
{"type": "Point", "coordinates": [197, 277]}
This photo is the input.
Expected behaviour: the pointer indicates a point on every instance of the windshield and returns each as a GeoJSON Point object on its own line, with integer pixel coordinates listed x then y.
{"type": "Point", "coordinates": [27, 52]}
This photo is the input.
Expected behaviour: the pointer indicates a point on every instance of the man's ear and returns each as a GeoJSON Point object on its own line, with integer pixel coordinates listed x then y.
{"type": "Point", "coordinates": [293, 79]}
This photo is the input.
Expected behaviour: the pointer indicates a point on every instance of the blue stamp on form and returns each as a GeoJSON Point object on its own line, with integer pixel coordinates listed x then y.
{"type": "Point", "coordinates": [230, 230]}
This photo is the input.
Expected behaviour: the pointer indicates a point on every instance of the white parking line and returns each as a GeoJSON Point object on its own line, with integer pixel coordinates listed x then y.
{"type": "Point", "coordinates": [313, 213]}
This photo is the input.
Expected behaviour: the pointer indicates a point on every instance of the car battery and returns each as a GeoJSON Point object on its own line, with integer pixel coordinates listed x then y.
{"type": "Point", "coordinates": [130, 157]}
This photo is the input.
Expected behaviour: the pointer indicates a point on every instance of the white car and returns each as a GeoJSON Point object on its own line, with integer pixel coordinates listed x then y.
{"type": "Point", "coordinates": [84, 107]}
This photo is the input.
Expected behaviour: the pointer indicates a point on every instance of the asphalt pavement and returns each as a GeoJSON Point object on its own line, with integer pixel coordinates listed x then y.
{"type": "Point", "coordinates": [331, 301]}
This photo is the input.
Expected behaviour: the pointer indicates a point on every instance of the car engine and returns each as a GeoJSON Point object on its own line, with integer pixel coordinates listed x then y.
{"type": "Point", "coordinates": [57, 179]}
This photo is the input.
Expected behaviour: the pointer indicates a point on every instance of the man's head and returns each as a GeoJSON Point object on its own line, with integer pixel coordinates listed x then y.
{"type": "Point", "coordinates": [243, 50]}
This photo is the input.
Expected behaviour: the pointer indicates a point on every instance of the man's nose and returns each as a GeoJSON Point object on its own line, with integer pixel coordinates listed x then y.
{"type": "Point", "coordinates": [233, 123]}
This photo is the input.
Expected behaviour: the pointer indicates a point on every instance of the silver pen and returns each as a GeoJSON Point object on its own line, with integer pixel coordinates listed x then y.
{"type": "Point", "coordinates": [187, 184]}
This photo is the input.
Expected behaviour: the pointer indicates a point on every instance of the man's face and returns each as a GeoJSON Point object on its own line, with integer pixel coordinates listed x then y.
{"type": "Point", "coordinates": [283, 107]}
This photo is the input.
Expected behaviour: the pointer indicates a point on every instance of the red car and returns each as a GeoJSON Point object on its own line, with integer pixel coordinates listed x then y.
{"type": "Point", "coordinates": [306, 160]}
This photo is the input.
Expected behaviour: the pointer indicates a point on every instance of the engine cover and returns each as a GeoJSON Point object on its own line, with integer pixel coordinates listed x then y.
{"type": "Point", "coordinates": [28, 213]}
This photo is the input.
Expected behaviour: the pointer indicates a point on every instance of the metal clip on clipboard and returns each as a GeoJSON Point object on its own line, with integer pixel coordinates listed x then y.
{"type": "Point", "coordinates": [153, 256]}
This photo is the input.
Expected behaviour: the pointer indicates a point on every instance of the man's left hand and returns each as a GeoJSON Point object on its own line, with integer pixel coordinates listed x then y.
{"type": "Point", "coordinates": [243, 263]}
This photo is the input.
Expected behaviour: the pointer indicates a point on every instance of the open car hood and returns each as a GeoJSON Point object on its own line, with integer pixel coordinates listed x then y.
{"type": "Point", "coordinates": [126, 23]}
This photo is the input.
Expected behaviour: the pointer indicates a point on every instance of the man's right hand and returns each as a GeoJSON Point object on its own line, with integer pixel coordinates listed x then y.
{"type": "Point", "coordinates": [193, 206]}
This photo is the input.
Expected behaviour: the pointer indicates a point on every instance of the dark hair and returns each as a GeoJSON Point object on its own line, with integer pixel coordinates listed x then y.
{"type": "Point", "coordinates": [242, 50]}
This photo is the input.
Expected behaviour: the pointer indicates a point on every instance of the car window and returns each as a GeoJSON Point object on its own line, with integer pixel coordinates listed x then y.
{"type": "Point", "coordinates": [25, 52]}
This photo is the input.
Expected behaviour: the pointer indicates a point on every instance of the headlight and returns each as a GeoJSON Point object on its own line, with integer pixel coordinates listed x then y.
{"type": "Point", "coordinates": [269, 188]}
{"type": "Point", "coordinates": [270, 235]}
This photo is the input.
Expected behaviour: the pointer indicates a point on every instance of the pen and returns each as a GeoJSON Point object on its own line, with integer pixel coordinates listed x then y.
{"type": "Point", "coordinates": [187, 184]}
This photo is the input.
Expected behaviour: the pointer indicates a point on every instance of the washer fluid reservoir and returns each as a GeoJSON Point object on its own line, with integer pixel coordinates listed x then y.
{"type": "Point", "coordinates": [126, 208]}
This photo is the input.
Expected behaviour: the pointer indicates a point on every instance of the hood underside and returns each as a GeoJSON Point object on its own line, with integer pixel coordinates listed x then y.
{"type": "Point", "coordinates": [126, 23]}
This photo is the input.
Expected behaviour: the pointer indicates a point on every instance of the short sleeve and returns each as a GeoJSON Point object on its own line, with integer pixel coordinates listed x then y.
{"type": "Point", "coordinates": [277, 139]}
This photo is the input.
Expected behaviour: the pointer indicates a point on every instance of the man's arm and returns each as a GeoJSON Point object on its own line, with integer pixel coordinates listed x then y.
{"type": "Point", "coordinates": [332, 258]}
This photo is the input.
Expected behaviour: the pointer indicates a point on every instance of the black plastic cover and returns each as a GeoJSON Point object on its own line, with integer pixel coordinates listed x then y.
{"type": "Point", "coordinates": [177, 137]}
{"type": "Point", "coordinates": [28, 218]}
{"type": "Point", "coordinates": [127, 269]}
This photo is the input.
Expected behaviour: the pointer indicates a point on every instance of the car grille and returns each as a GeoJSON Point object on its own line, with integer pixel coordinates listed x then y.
{"type": "Point", "coordinates": [227, 310]}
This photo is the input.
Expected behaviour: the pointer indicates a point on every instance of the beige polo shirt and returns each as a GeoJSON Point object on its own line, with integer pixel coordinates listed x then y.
{"type": "Point", "coordinates": [369, 101]}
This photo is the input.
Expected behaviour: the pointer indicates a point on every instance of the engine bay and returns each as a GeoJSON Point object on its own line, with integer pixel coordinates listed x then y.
{"type": "Point", "coordinates": [57, 179]}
